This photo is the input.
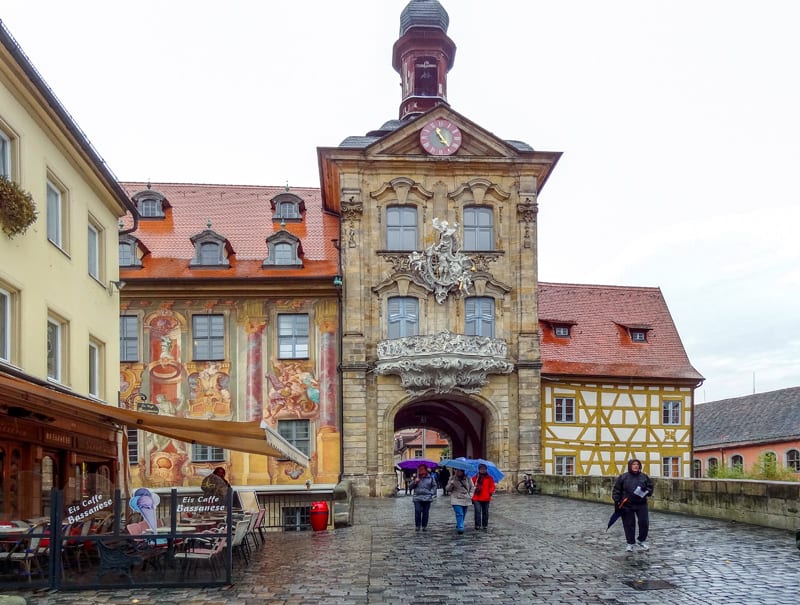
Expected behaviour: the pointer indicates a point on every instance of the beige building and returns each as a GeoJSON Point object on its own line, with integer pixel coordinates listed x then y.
{"type": "Point", "coordinates": [59, 305]}
{"type": "Point", "coordinates": [438, 255]}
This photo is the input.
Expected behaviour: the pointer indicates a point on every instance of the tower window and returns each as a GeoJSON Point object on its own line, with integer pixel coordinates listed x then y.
{"type": "Point", "coordinates": [426, 81]}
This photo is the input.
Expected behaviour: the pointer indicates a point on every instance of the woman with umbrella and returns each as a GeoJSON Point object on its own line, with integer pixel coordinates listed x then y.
{"type": "Point", "coordinates": [424, 487]}
{"type": "Point", "coordinates": [460, 488]}
{"type": "Point", "coordinates": [482, 496]}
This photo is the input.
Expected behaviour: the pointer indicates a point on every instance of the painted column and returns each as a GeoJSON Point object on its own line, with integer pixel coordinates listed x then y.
{"type": "Point", "coordinates": [254, 324]}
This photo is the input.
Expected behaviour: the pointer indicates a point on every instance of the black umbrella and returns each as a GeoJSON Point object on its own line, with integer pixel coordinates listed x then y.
{"type": "Point", "coordinates": [616, 515]}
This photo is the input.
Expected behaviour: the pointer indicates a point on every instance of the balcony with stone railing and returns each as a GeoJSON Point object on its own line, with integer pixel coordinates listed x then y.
{"type": "Point", "coordinates": [443, 362]}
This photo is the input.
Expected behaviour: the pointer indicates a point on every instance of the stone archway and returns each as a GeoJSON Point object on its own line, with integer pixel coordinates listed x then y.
{"type": "Point", "coordinates": [474, 424]}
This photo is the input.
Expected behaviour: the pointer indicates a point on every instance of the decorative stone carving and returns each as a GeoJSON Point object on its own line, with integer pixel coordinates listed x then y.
{"type": "Point", "coordinates": [442, 268]}
{"type": "Point", "coordinates": [526, 212]}
{"type": "Point", "coordinates": [352, 211]}
{"type": "Point", "coordinates": [443, 362]}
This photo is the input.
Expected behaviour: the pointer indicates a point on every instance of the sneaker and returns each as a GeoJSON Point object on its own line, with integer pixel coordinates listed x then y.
{"type": "Point", "coordinates": [630, 548]}
{"type": "Point", "coordinates": [418, 529]}
{"type": "Point", "coordinates": [643, 545]}
{"type": "Point", "coordinates": [424, 529]}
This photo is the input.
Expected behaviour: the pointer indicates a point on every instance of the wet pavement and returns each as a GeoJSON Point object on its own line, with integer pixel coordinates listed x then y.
{"type": "Point", "coordinates": [538, 549]}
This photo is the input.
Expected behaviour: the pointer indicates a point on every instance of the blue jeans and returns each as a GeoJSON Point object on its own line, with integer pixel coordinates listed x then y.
{"type": "Point", "coordinates": [461, 512]}
{"type": "Point", "coordinates": [421, 510]}
{"type": "Point", "coordinates": [481, 514]}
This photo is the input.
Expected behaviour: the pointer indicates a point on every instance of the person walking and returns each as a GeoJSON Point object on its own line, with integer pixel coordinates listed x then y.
{"type": "Point", "coordinates": [460, 489]}
{"type": "Point", "coordinates": [444, 479]}
{"type": "Point", "coordinates": [630, 494]}
{"type": "Point", "coordinates": [482, 496]}
{"type": "Point", "coordinates": [424, 487]}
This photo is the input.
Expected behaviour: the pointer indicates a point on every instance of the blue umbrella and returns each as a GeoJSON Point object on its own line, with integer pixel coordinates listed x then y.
{"type": "Point", "coordinates": [470, 467]}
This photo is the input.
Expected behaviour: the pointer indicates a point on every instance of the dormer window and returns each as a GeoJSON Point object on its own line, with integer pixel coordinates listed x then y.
{"type": "Point", "coordinates": [211, 250]}
{"type": "Point", "coordinates": [150, 204]}
{"type": "Point", "coordinates": [561, 331]}
{"type": "Point", "coordinates": [287, 207]}
{"type": "Point", "coordinates": [283, 250]}
{"type": "Point", "coordinates": [638, 335]}
{"type": "Point", "coordinates": [131, 251]}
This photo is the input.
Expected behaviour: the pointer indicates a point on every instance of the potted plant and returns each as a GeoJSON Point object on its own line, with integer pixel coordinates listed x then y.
{"type": "Point", "coordinates": [17, 210]}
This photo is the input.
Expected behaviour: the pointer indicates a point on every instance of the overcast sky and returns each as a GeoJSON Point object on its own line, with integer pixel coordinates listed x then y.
{"type": "Point", "coordinates": [679, 122]}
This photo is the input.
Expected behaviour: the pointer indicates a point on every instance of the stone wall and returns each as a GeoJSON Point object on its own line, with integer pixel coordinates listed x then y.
{"type": "Point", "coordinates": [768, 503]}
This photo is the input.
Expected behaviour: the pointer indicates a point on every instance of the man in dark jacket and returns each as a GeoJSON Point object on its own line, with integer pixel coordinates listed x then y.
{"type": "Point", "coordinates": [630, 494]}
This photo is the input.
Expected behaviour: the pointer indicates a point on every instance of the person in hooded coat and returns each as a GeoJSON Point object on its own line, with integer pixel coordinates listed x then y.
{"type": "Point", "coordinates": [630, 494]}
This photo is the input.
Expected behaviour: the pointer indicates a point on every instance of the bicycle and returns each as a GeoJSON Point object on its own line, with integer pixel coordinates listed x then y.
{"type": "Point", "coordinates": [527, 485]}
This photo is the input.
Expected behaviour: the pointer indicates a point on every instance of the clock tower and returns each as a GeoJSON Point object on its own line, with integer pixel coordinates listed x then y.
{"type": "Point", "coordinates": [439, 279]}
{"type": "Point", "coordinates": [423, 55]}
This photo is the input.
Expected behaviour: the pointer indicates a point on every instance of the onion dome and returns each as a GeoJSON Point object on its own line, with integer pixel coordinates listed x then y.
{"type": "Point", "coordinates": [423, 13]}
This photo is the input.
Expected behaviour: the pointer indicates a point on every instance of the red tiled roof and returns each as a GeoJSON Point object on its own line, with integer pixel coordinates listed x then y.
{"type": "Point", "coordinates": [243, 215]}
{"type": "Point", "coordinates": [599, 343]}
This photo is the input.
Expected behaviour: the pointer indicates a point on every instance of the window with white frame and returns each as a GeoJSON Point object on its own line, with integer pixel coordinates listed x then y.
{"type": "Point", "coordinates": [403, 316]}
{"type": "Point", "coordinates": [562, 331]}
{"type": "Point", "coordinates": [5, 155]}
{"type": "Point", "coordinates": [671, 412]}
{"type": "Point", "coordinates": [565, 409]}
{"type": "Point", "coordinates": [5, 325]}
{"type": "Point", "coordinates": [293, 336]}
{"type": "Point", "coordinates": [671, 466]}
{"type": "Point", "coordinates": [638, 335]}
{"type": "Point", "coordinates": [479, 316]}
{"type": "Point", "coordinates": [93, 241]}
{"type": "Point", "coordinates": [129, 251]}
{"type": "Point", "coordinates": [283, 250]}
{"type": "Point", "coordinates": [793, 460]}
{"type": "Point", "coordinates": [564, 465]}
{"type": "Point", "coordinates": [95, 368]}
{"type": "Point", "coordinates": [133, 445]}
{"type": "Point", "coordinates": [287, 208]}
{"type": "Point", "coordinates": [401, 228]}
{"type": "Point", "coordinates": [478, 228]}
{"type": "Point", "coordinates": [298, 433]}
{"type": "Point", "coordinates": [208, 337]}
{"type": "Point", "coordinates": [207, 453]}
{"type": "Point", "coordinates": [56, 336]}
{"type": "Point", "coordinates": [418, 453]}
{"type": "Point", "coordinates": [55, 215]}
{"type": "Point", "coordinates": [128, 338]}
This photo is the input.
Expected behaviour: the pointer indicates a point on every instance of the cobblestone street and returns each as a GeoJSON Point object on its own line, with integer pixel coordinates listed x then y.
{"type": "Point", "coordinates": [538, 549]}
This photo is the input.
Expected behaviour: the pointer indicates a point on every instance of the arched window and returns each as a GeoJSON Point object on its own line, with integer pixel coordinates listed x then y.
{"type": "Point", "coordinates": [287, 207]}
{"type": "Point", "coordinates": [403, 314]}
{"type": "Point", "coordinates": [209, 253]}
{"type": "Point", "coordinates": [713, 464]}
{"type": "Point", "coordinates": [150, 204]}
{"type": "Point", "coordinates": [210, 250]}
{"type": "Point", "coordinates": [283, 250]}
{"type": "Point", "coordinates": [737, 462]}
{"type": "Point", "coordinates": [479, 316]}
{"type": "Point", "coordinates": [793, 460]}
{"type": "Point", "coordinates": [697, 468]}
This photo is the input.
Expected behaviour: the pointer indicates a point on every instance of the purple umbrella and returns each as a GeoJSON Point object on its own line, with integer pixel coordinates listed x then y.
{"type": "Point", "coordinates": [414, 463]}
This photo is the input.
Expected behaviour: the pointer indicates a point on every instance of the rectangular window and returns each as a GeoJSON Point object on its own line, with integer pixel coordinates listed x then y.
{"type": "Point", "coordinates": [293, 336]}
{"type": "Point", "coordinates": [208, 337]}
{"type": "Point", "coordinates": [565, 465]}
{"type": "Point", "coordinates": [128, 338]}
{"type": "Point", "coordinates": [55, 212]}
{"type": "Point", "coordinates": [95, 363]}
{"type": "Point", "coordinates": [671, 412]}
{"type": "Point", "coordinates": [298, 433]}
{"type": "Point", "coordinates": [401, 228]}
{"type": "Point", "coordinates": [479, 316]}
{"type": "Point", "coordinates": [207, 453]}
{"type": "Point", "coordinates": [562, 331]}
{"type": "Point", "coordinates": [55, 349]}
{"type": "Point", "coordinates": [403, 313]}
{"type": "Point", "coordinates": [478, 228]}
{"type": "Point", "coordinates": [418, 453]}
{"type": "Point", "coordinates": [638, 336]}
{"type": "Point", "coordinates": [565, 409]}
{"type": "Point", "coordinates": [5, 155]}
{"type": "Point", "coordinates": [671, 466]}
{"type": "Point", "coordinates": [93, 240]}
{"type": "Point", "coordinates": [5, 325]}
{"type": "Point", "coordinates": [133, 445]}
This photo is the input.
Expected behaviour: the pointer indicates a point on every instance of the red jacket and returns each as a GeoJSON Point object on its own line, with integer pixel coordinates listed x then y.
{"type": "Point", "coordinates": [485, 491]}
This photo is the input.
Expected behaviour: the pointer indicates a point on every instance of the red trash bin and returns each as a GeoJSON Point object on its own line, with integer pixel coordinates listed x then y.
{"type": "Point", "coordinates": [319, 516]}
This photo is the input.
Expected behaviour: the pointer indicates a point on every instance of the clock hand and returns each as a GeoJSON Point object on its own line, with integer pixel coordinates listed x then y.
{"type": "Point", "coordinates": [441, 136]}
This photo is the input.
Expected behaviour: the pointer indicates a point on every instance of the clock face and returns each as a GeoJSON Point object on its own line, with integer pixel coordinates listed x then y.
{"type": "Point", "coordinates": [440, 137]}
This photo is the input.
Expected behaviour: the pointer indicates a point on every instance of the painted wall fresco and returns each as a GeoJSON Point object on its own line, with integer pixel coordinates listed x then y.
{"type": "Point", "coordinates": [251, 383]}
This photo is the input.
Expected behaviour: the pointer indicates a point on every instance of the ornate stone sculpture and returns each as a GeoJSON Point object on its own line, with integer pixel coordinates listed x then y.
{"type": "Point", "coordinates": [443, 362]}
{"type": "Point", "coordinates": [442, 268]}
